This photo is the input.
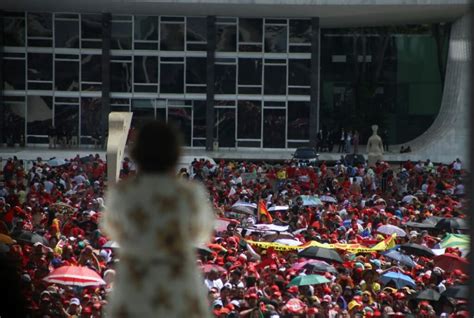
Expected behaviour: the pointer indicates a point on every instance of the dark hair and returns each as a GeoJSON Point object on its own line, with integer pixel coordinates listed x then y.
{"type": "Point", "coordinates": [157, 147]}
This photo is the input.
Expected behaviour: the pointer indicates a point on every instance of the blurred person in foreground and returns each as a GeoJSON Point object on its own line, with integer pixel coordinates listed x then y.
{"type": "Point", "coordinates": [158, 219]}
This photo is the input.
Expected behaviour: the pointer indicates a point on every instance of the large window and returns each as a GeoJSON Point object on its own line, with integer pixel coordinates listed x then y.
{"type": "Point", "coordinates": [249, 114]}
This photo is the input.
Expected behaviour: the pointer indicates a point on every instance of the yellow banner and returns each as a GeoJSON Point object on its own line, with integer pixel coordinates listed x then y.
{"type": "Point", "coordinates": [352, 248]}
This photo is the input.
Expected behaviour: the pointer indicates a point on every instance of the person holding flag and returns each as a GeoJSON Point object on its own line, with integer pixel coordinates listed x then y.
{"type": "Point", "coordinates": [265, 216]}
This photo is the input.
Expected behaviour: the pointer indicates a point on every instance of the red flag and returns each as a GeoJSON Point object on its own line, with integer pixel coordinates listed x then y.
{"type": "Point", "coordinates": [262, 207]}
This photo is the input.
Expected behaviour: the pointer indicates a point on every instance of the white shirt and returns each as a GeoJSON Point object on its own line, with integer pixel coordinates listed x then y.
{"type": "Point", "coordinates": [214, 283]}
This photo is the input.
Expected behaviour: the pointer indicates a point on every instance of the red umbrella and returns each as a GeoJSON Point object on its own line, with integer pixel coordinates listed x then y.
{"type": "Point", "coordinates": [75, 276]}
{"type": "Point", "coordinates": [209, 267]}
{"type": "Point", "coordinates": [450, 262]}
{"type": "Point", "coordinates": [295, 306]}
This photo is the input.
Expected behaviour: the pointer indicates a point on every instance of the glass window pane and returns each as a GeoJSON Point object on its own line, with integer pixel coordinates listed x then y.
{"type": "Point", "coordinates": [300, 31]}
{"type": "Point", "coordinates": [39, 114]}
{"type": "Point", "coordinates": [66, 120]}
{"type": "Point", "coordinates": [224, 126]}
{"type": "Point", "coordinates": [121, 35]}
{"type": "Point", "coordinates": [14, 74]}
{"type": "Point", "coordinates": [172, 37]}
{"type": "Point", "coordinates": [274, 128]}
{"type": "Point", "coordinates": [275, 80]}
{"type": "Point", "coordinates": [146, 28]}
{"type": "Point", "coordinates": [90, 122]}
{"type": "Point", "coordinates": [66, 34]}
{"type": "Point", "coordinates": [143, 111]}
{"type": "Point", "coordinates": [172, 78]}
{"type": "Point", "coordinates": [120, 77]}
{"type": "Point", "coordinates": [146, 69]}
{"type": "Point", "coordinates": [39, 25]}
{"type": "Point", "coordinates": [249, 119]}
{"type": "Point", "coordinates": [196, 70]}
{"type": "Point", "coordinates": [250, 71]}
{"type": "Point", "coordinates": [196, 29]}
{"type": "Point", "coordinates": [40, 66]}
{"type": "Point", "coordinates": [298, 120]}
{"type": "Point", "coordinates": [91, 26]}
{"type": "Point", "coordinates": [275, 38]}
{"type": "Point", "coordinates": [300, 72]}
{"type": "Point", "coordinates": [226, 38]}
{"type": "Point", "coordinates": [250, 30]}
{"type": "Point", "coordinates": [14, 31]}
{"type": "Point", "coordinates": [225, 79]}
{"type": "Point", "coordinates": [199, 118]}
{"type": "Point", "coordinates": [91, 66]}
{"type": "Point", "coordinates": [181, 118]}
{"type": "Point", "coordinates": [14, 122]}
{"type": "Point", "coordinates": [67, 75]}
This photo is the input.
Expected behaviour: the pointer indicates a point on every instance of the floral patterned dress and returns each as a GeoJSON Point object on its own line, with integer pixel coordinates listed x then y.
{"type": "Point", "coordinates": [158, 220]}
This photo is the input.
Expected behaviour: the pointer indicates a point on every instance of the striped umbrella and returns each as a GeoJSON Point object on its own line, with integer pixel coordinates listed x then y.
{"type": "Point", "coordinates": [74, 276]}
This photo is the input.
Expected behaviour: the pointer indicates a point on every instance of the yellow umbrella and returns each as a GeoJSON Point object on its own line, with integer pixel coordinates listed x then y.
{"type": "Point", "coordinates": [6, 239]}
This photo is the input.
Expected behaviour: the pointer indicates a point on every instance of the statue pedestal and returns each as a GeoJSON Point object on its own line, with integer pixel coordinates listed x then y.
{"type": "Point", "coordinates": [373, 158]}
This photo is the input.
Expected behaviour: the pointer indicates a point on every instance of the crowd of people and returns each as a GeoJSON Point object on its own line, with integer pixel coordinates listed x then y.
{"type": "Point", "coordinates": [253, 267]}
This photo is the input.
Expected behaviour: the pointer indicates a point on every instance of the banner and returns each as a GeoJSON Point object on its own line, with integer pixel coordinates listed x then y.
{"type": "Point", "coordinates": [384, 245]}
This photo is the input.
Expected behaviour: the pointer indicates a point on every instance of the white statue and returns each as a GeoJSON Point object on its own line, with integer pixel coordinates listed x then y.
{"type": "Point", "coordinates": [374, 147]}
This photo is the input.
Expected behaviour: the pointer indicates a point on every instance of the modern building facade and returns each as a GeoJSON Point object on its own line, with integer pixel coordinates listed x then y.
{"type": "Point", "coordinates": [224, 73]}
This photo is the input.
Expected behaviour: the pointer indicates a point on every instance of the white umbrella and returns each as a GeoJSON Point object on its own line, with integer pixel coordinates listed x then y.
{"type": "Point", "coordinates": [278, 208]}
{"type": "Point", "coordinates": [289, 242]}
{"type": "Point", "coordinates": [389, 229]}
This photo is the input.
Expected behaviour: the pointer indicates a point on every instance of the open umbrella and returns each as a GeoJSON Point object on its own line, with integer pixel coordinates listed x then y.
{"type": "Point", "coordinates": [390, 229]}
{"type": "Point", "coordinates": [428, 294]}
{"type": "Point", "coordinates": [457, 292]}
{"type": "Point", "coordinates": [452, 224]}
{"type": "Point", "coordinates": [310, 200]}
{"type": "Point", "coordinates": [6, 239]}
{"type": "Point", "coordinates": [304, 280]}
{"type": "Point", "coordinates": [74, 276]}
{"type": "Point", "coordinates": [111, 244]}
{"type": "Point", "coordinates": [328, 198]}
{"type": "Point", "coordinates": [455, 240]}
{"type": "Point", "coordinates": [243, 209]}
{"type": "Point", "coordinates": [399, 257]}
{"type": "Point", "coordinates": [450, 262]}
{"type": "Point", "coordinates": [420, 225]}
{"type": "Point", "coordinates": [295, 306]}
{"type": "Point", "coordinates": [31, 237]}
{"type": "Point", "coordinates": [278, 208]}
{"type": "Point", "coordinates": [204, 250]}
{"type": "Point", "coordinates": [320, 267]}
{"type": "Point", "coordinates": [206, 268]}
{"type": "Point", "coordinates": [400, 280]}
{"type": "Point", "coordinates": [288, 241]}
{"type": "Point", "coordinates": [417, 249]}
{"type": "Point", "coordinates": [321, 253]}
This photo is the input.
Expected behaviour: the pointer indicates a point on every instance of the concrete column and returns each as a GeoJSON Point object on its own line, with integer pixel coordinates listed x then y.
{"type": "Point", "coordinates": [2, 104]}
{"type": "Point", "coordinates": [211, 50]}
{"type": "Point", "coordinates": [106, 42]}
{"type": "Point", "coordinates": [315, 68]}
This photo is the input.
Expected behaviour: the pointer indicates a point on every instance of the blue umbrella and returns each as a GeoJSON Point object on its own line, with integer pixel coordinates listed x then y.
{"type": "Point", "coordinates": [400, 280]}
{"type": "Point", "coordinates": [399, 257]}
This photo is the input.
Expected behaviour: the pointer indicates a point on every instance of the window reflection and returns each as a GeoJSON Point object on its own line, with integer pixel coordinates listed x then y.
{"type": "Point", "coordinates": [67, 75]}
{"type": "Point", "coordinates": [250, 30]}
{"type": "Point", "coordinates": [66, 118]}
{"type": "Point", "coordinates": [120, 77]}
{"type": "Point", "coordinates": [40, 66]}
{"type": "Point", "coordinates": [300, 31]}
{"type": "Point", "coordinates": [274, 128]}
{"type": "Point", "coordinates": [172, 37]}
{"type": "Point", "coordinates": [224, 126]}
{"type": "Point", "coordinates": [14, 74]}
{"type": "Point", "coordinates": [39, 114]}
{"type": "Point", "coordinates": [66, 34]}
{"type": "Point", "coordinates": [121, 36]}
{"type": "Point", "coordinates": [275, 80]}
{"type": "Point", "coordinates": [225, 79]}
{"type": "Point", "coordinates": [172, 78]}
{"type": "Point", "coordinates": [181, 118]}
{"type": "Point", "coordinates": [196, 29]}
{"type": "Point", "coordinates": [249, 120]}
{"type": "Point", "coordinates": [298, 120]}
{"type": "Point", "coordinates": [146, 69]}
{"type": "Point", "coordinates": [146, 28]}
{"type": "Point", "coordinates": [143, 111]}
{"type": "Point", "coordinates": [275, 38]}
{"type": "Point", "coordinates": [250, 71]}
{"type": "Point", "coordinates": [90, 122]}
{"type": "Point", "coordinates": [199, 118]}
{"type": "Point", "coordinates": [196, 70]}
{"type": "Point", "coordinates": [14, 122]}
{"type": "Point", "coordinates": [226, 37]}
{"type": "Point", "coordinates": [39, 25]}
{"type": "Point", "coordinates": [91, 26]}
{"type": "Point", "coordinates": [91, 71]}
{"type": "Point", "coordinates": [14, 29]}
{"type": "Point", "coordinates": [299, 72]}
